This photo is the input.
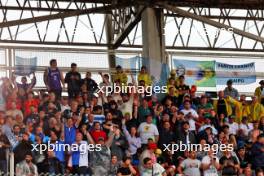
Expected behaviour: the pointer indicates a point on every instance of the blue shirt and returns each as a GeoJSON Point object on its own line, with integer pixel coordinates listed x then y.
{"type": "Point", "coordinates": [59, 153]}
{"type": "Point", "coordinates": [70, 134]}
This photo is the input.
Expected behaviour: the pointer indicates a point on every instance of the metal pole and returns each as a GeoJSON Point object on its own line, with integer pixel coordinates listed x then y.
{"type": "Point", "coordinates": [12, 164]}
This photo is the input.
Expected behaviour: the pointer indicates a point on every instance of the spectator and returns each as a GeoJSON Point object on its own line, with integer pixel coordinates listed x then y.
{"type": "Point", "coordinates": [73, 81]}
{"type": "Point", "coordinates": [119, 144]}
{"type": "Point", "coordinates": [101, 158]}
{"type": "Point", "coordinates": [190, 115]}
{"type": "Point", "coordinates": [258, 153]}
{"type": "Point", "coordinates": [126, 168]}
{"type": "Point", "coordinates": [53, 78]}
{"type": "Point", "coordinates": [191, 165]}
{"type": "Point", "coordinates": [259, 92]}
{"type": "Point", "coordinates": [13, 111]}
{"type": "Point", "coordinates": [79, 159]}
{"type": "Point", "coordinates": [241, 107]}
{"type": "Point", "coordinates": [120, 76]}
{"type": "Point", "coordinates": [182, 88]}
{"type": "Point", "coordinates": [256, 109]}
{"type": "Point", "coordinates": [26, 167]}
{"type": "Point", "coordinates": [115, 165]}
{"type": "Point", "coordinates": [230, 91]}
{"type": "Point", "coordinates": [24, 88]}
{"type": "Point", "coordinates": [89, 84]}
{"type": "Point", "coordinates": [229, 164]}
{"type": "Point", "coordinates": [148, 130]}
{"type": "Point", "coordinates": [29, 103]}
{"type": "Point", "coordinates": [152, 169]}
{"type": "Point", "coordinates": [233, 126]}
{"type": "Point", "coordinates": [143, 111]}
{"type": "Point", "coordinates": [210, 164]}
{"type": "Point", "coordinates": [4, 145]}
{"type": "Point", "coordinates": [133, 140]}
{"type": "Point", "coordinates": [144, 76]}
{"type": "Point", "coordinates": [222, 106]}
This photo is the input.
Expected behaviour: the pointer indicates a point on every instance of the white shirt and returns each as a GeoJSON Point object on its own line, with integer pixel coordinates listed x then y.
{"type": "Point", "coordinates": [157, 170]}
{"type": "Point", "coordinates": [64, 107]}
{"type": "Point", "coordinates": [147, 131]}
{"type": "Point", "coordinates": [191, 121]}
{"type": "Point", "coordinates": [83, 159]}
{"type": "Point", "coordinates": [246, 128]}
{"type": "Point", "coordinates": [191, 167]}
{"type": "Point", "coordinates": [127, 107]}
{"type": "Point", "coordinates": [233, 127]}
{"type": "Point", "coordinates": [212, 171]}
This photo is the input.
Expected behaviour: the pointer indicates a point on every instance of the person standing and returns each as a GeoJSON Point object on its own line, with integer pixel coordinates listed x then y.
{"type": "Point", "coordinates": [259, 92]}
{"type": "Point", "coordinates": [230, 91]}
{"type": "Point", "coordinates": [53, 78]}
{"type": "Point", "coordinates": [73, 80]}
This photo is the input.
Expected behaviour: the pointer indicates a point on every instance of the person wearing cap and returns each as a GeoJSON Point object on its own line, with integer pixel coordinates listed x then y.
{"type": "Point", "coordinates": [145, 76]}
{"type": "Point", "coordinates": [230, 91]}
{"type": "Point", "coordinates": [120, 76]}
{"type": "Point", "coordinates": [148, 152]}
{"type": "Point", "coordinates": [259, 92]}
{"type": "Point", "coordinates": [73, 81]}
{"type": "Point", "coordinates": [256, 110]}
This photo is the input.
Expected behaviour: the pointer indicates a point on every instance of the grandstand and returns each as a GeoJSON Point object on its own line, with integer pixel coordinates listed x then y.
{"type": "Point", "coordinates": [221, 38]}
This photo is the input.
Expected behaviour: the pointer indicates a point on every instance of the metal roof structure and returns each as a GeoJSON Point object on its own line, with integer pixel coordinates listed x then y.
{"type": "Point", "coordinates": [115, 24]}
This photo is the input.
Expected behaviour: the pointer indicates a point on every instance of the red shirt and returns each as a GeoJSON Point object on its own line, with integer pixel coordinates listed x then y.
{"type": "Point", "coordinates": [97, 134]}
{"type": "Point", "coordinates": [9, 103]}
{"type": "Point", "coordinates": [29, 103]}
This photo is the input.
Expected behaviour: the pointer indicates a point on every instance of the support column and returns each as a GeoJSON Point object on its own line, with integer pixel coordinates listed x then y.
{"type": "Point", "coordinates": [110, 38]}
{"type": "Point", "coordinates": [153, 39]}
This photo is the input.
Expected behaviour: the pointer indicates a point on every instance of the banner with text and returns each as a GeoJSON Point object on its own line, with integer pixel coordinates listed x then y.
{"type": "Point", "coordinates": [240, 74]}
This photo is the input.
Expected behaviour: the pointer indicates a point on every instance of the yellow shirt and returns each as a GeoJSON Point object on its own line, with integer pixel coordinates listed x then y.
{"type": "Point", "coordinates": [256, 112]}
{"type": "Point", "coordinates": [122, 77]}
{"type": "Point", "coordinates": [145, 77]}
{"type": "Point", "coordinates": [240, 109]}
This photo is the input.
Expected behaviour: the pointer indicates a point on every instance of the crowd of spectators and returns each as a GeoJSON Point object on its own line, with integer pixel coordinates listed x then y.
{"type": "Point", "coordinates": [132, 128]}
